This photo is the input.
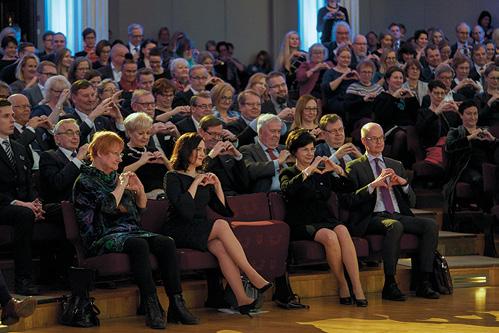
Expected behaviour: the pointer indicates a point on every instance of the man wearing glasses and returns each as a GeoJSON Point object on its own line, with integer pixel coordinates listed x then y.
{"type": "Point", "coordinates": [381, 205]}
{"type": "Point", "coordinates": [198, 78]}
{"type": "Point", "coordinates": [279, 104]}
{"type": "Point", "coordinates": [44, 71]}
{"type": "Point", "coordinates": [200, 106]}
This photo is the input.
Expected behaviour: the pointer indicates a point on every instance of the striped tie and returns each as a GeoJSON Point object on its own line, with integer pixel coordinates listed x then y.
{"type": "Point", "coordinates": [8, 151]}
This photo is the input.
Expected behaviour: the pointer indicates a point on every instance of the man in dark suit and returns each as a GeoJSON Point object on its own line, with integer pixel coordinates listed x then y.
{"type": "Point", "coordinates": [223, 158]}
{"type": "Point", "coordinates": [334, 146]}
{"type": "Point", "coordinates": [113, 69]}
{"type": "Point", "coordinates": [200, 106]}
{"type": "Point", "coordinates": [93, 118]}
{"type": "Point", "coordinates": [433, 59]}
{"type": "Point", "coordinates": [198, 77]}
{"type": "Point", "coordinates": [250, 108]}
{"type": "Point", "coordinates": [18, 204]}
{"type": "Point", "coordinates": [479, 63]}
{"type": "Point", "coordinates": [279, 102]}
{"type": "Point", "coordinates": [381, 205]}
{"type": "Point", "coordinates": [462, 44]}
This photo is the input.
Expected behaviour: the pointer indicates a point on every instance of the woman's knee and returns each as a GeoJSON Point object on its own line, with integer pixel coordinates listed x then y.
{"type": "Point", "coordinates": [342, 232]}
{"type": "Point", "coordinates": [326, 237]}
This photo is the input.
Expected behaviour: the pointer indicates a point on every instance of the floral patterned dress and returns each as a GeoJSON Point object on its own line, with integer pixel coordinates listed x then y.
{"type": "Point", "coordinates": [104, 226]}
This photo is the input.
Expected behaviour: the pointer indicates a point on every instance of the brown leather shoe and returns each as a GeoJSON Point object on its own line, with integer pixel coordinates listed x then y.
{"type": "Point", "coordinates": [16, 309]}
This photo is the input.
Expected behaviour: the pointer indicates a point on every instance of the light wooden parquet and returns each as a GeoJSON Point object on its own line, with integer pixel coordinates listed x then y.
{"type": "Point", "coordinates": [468, 310]}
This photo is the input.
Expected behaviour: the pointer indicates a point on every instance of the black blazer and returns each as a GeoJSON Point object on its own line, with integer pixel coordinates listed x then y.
{"type": "Point", "coordinates": [186, 126]}
{"type": "Point", "coordinates": [362, 203]}
{"type": "Point", "coordinates": [232, 173]}
{"type": "Point", "coordinates": [16, 183]}
{"type": "Point", "coordinates": [57, 176]}
{"type": "Point", "coordinates": [107, 72]}
{"type": "Point", "coordinates": [268, 106]}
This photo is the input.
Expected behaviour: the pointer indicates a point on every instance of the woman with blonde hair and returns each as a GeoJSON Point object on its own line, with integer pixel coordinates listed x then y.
{"type": "Point", "coordinates": [258, 83]}
{"type": "Point", "coordinates": [289, 59]}
{"type": "Point", "coordinates": [25, 74]}
{"type": "Point", "coordinates": [307, 114]}
{"type": "Point", "coordinates": [63, 61]}
{"type": "Point", "coordinates": [222, 97]}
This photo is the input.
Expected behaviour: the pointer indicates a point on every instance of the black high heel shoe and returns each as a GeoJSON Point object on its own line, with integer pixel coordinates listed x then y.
{"type": "Point", "coordinates": [265, 288]}
{"type": "Point", "coordinates": [245, 309]}
{"type": "Point", "coordinates": [346, 300]}
{"type": "Point", "coordinates": [361, 303]}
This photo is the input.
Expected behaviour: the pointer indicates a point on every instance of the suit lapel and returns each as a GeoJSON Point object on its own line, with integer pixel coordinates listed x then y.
{"type": "Point", "coordinates": [260, 153]}
{"type": "Point", "coordinates": [368, 172]}
{"type": "Point", "coordinates": [4, 157]}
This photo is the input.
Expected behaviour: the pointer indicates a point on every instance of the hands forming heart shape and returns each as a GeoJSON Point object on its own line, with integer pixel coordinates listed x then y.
{"type": "Point", "coordinates": [322, 165]}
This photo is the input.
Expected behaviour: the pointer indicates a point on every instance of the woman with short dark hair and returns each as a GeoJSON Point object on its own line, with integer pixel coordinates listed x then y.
{"type": "Point", "coordinates": [306, 187]}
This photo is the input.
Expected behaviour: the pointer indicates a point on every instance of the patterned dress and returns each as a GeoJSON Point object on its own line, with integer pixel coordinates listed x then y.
{"type": "Point", "coordinates": [105, 227]}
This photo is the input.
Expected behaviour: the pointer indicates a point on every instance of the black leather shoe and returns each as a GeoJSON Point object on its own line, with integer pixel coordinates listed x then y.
{"type": "Point", "coordinates": [361, 303]}
{"type": "Point", "coordinates": [265, 287]}
{"type": "Point", "coordinates": [154, 318]}
{"type": "Point", "coordinates": [246, 309]}
{"type": "Point", "coordinates": [16, 309]}
{"type": "Point", "coordinates": [178, 312]}
{"type": "Point", "coordinates": [391, 292]}
{"type": "Point", "coordinates": [346, 300]}
{"type": "Point", "coordinates": [425, 290]}
{"type": "Point", "coordinates": [26, 287]}
{"type": "Point", "coordinates": [292, 303]}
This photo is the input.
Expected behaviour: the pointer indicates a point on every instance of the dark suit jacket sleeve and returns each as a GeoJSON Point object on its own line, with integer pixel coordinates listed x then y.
{"type": "Point", "coordinates": [256, 168]}
{"type": "Point", "coordinates": [241, 176]}
{"type": "Point", "coordinates": [26, 137]}
{"type": "Point", "coordinates": [53, 175]}
{"type": "Point", "coordinates": [292, 183]}
{"type": "Point", "coordinates": [361, 195]}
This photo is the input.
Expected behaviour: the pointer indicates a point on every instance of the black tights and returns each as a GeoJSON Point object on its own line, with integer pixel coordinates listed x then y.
{"type": "Point", "coordinates": [4, 292]}
{"type": "Point", "coordinates": [163, 247]}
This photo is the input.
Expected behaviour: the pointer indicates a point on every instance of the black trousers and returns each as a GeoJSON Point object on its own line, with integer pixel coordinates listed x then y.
{"type": "Point", "coordinates": [163, 247]}
{"type": "Point", "coordinates": [21, 219]}
{"type": "Point", "coordinates": [4, 292]}
{"type": "Point", "coordinates": [393, 226]}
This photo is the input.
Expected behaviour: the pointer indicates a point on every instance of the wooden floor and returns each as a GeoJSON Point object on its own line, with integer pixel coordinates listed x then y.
{"type": "Point", "coordinates": [468, 310]}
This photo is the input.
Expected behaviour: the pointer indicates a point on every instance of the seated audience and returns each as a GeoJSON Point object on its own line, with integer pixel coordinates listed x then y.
{"type": "Point", "coordinates": [249, 102]}
{"type": "Point", "coordinates": [113, 68]}
{"type": "Point", "coordinates": [222, 97]}
{"type": "Point", "coordinates": [37, 92]}
{"type": "Point", "coordinates": [467, 147]}
{"type": "Point", "coordinates": [179, 70]}
{"type": "Point", "coordinates": [89, 39]}
{"type": "Point", "coordinates": [335, 147]}
{"type": "Point", "coordinates": [145, 79]}
{"type": "Point", "coordinates": [462, 66]}
{"type": "Point", "coordinates": [261, 64]}
{"type": "Point", "coordinates": [306, 187]}
{"type": "Point", "coordinates": [94, 77]}
{"type": "Point", "coordinates": [200, 106]}
{"type": "Point", "coordinates": [146, 161]}
{"type": "Point", "coordinates": [163, 91]}
{"type": "Point", "coordinates": [222, 157]}
{"type": "Point", "coordinates": [310, 73]}
{"type": "Point", "coordinates": [381, 205]}
{"type": "Point", "coordinates": [413, 81]}
{"type": "Point", "coordinates": [102, 51]}
{"type": "Point", "coordinates": [258, 83]}
{"type": "Point", "coordinates": [78, 69]}
{"type": "Point", "coordinates": [307, 115]}
{"type": "Point", "coordinates": [198, 79]}
{"type": "Point", "coordinates": [327, 16]}
{"type": "Point", "coordinates": [190, 193]}
{"type": "Point", "coordinates": [432, 60]}
{"type": "Point", "coordinates": [55, 103]}
{"type": "Point", "coordinates": [9, 50]}
{"type": "Point", "coordinates": [25, 74]}
{"type": "Point", "coordinates": [107, 206]}
{"type": "Point", "coordinates": [445, 74]}
{"type": "Point", "coordinates": [488, 100]}
{"type": "Point", "coordinates": [63, 60]}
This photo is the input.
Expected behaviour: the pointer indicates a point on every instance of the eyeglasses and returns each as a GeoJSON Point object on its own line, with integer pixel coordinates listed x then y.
{"type": "Point", "coordinates": [226, 98]}
{"type": "Point", "coordinates": [376, 139]}
{"type": "Point", "coordinates": [69, 133]}
{"type": "Point", "coordinates": [56, 91]}
{"type": "Point", "coordinates": [23, 106]}
{"type": "Point", "coordinates": [49, 74]}
{"type": "Point", "coordinates": [282, 85]}
{"type": "Point", "coordinates": [340, 130]}
{"type": "Point", "coordinates": [147, 104]}
{"type": "Point", "coordinates": [217, 136]}
{"type": "Point", "coordinates": [204, 106]}
{"type": "Point", "coordinates": [199, 78]}
{"type": "Point", "coordinates": [438, 94]}
{"type": "Point", "coordinates": [253, 105]}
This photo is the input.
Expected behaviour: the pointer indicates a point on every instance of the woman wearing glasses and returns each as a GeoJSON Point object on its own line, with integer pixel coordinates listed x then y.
{"type": "Point", "coordinates": [107, 206]}
{"type": "Point", "coordinates": [307, 115]}
{"type": "Point", "coordinates": [222, 97]}
{"type": "Point", "coordinates": [55, 102]}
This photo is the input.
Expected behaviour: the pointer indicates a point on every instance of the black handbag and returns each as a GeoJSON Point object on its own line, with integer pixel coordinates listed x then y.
{"type": "Point", "coordinates": [441, 278]}
{"type": "Point", "coordinates": [79, 311]}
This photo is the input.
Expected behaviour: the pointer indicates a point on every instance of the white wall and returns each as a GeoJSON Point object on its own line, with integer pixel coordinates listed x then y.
{"type": "Point", "coordinates": [251, 25]}
{"type": "Point", "coordinates": [376, 15]}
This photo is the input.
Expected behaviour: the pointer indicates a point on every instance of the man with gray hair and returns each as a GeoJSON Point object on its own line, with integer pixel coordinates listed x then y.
{"type": "Point", "coordinates": [266, 157]}
{"type": "Point", "coordinates": [198, 78]}
{"type": "Point", "coordinates": [113, 69]}
{"type": "Point", "coordinates": [135, 37]}
{"type": "Point", "coordinates": [462, 44]}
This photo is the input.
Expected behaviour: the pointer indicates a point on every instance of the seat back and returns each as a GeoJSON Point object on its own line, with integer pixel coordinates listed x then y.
{"type": "Point", "coordinates": [246, 208]}
{"type": "Point", "coordinates": [72, 231]}
{"type": "Point", "coordinates": [155, 215]}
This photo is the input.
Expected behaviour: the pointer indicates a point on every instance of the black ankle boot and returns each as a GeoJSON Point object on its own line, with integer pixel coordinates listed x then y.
{"type": "Point", "coordinates": [178, 313]}
{"type": "Point", "coordinates": [154, 317]}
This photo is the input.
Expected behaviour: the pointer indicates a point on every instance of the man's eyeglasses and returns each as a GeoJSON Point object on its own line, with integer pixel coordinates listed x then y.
{"type": "Point", "coordinates": [277, 86]}
{"type": "Point", "coordinates": [23, 106]}
{"type": "Point", "coordinates": [253, 105]}
{"type": "Point", "coordinates": [377, 139]}
{"type": "Point", "coordinates": [216, 136]}
{"type": "Point", "coordinates": [147, 104]}
{"type": "Point", "coordinates": [49, 74]}
{"type": "Point", "coordinates": [69, 133]}
{"type": "Point", "coordinates": [204, 106]}
{"type": "Point", "coordinates": [340, 130]}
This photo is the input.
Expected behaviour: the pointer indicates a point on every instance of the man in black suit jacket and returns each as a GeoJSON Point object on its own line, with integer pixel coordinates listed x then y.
{"type": "Point", "coordinates": [250, 108]}
{"type": "Point", "coordinates": [462, 44]}
{"type": "Point", "coordinates": [279, 102]}
{"type": "Point", "coordinates": [200, 106]}
{"type": "Point", "coordinates": [334, 146]}
{"type": "Point", "coordinates": [433, 59]}
{"type": "Point", "coordinates": [223, 158]}
{"type": "Point", "coordinates": [198, 78]}
{"type": "Point", "coordinates": [18, 204]}
{"type": "Point", "coordinates": [381, 205]}
{"type": "Point", "coordinates": [44, 71]}
{"type": "Point", "coordinates": [93, 118]}
{"type": "Point", "coordinates": [113, 69]}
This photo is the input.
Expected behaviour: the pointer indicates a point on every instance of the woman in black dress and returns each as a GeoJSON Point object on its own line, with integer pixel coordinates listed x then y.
{"type": "Point", "coordinates": [307, 187]}
{"type": "Point", "coordinates": [189, 193]}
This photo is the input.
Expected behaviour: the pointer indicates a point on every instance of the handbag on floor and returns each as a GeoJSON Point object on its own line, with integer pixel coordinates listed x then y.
{"type": "Point", "coordinates": [441, 278]}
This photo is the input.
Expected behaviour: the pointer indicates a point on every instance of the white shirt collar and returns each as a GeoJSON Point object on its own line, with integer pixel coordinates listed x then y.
{"type": "Point", "coordinates": [66, 152]}
{"type": "Point", "coordinates": [196, 123]}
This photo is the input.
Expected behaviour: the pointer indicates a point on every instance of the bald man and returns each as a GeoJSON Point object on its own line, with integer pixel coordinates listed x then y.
{"type": "Point", "coordinates": [113, 69]}
{"type": "Point", "coordinates": [381, 205]}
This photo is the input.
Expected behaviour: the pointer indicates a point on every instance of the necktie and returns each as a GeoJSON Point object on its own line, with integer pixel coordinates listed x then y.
{"type": "Point", "coordinates": [10, 154]}
{"type": "Point", "coordinates": [272, 155]}
{"type": "Point", "coordinates": [385, 193]}
{"type": "Point", "coordinates": [136, 49]}
{"type": "Point", "coordinates": [73, 154]}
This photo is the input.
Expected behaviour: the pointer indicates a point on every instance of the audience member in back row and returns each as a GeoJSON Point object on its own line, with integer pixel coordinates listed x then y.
{"type": "Point", "coordinates": [467, 148]}
{"type": "Point", "coordinates": [249, 102]}
{"type": "Point", "coordinates": [107, 209]}
{"type": "Point", "coordinates": [222, 97]}
{"type": "Point", "coordinates": [334, 146]}
{"type": "Point", "coordinates": [309, 74]}
{"type": "Point", "coordinates": [396, 110]}
{"type": "Point", "coordinates": [381, 205]}
{"type": "Point", "coordinates": [306, 187]}
{"type": "Point", "coordinates": [280, 102]}
{"type": "Point", "coordinates": [145, 160]}
{"type": "Point", "coordinates": [223, 159]}
{"type": "Point", "coordinates": [307, 115]}
{"type": "Point", "coordinates": [190, 193]}
{"type": "Point", "coordinates": [488, 100]}
{"type": "Point", "coordinates": [18, 204]}
{"type": "Point", "coordinates": [200, 106]}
